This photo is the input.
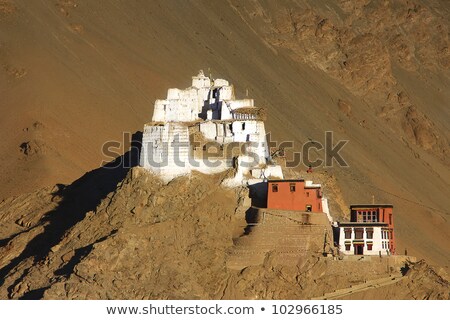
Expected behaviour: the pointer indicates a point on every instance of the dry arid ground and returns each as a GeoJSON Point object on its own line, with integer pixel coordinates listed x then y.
{"type": "Point", "coordinates": [75, 74]}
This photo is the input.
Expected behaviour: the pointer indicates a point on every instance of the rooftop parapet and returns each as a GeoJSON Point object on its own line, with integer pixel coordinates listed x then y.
{"type": "Point", "coordinates": [201, 81]}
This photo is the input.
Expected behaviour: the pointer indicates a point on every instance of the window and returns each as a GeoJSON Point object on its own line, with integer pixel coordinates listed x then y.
{"type": "Point", "coordinates": [390, 219]}
{"type": "Point", "coordinates": [348, 233]}
{"type": "Point", "coordinates": [369, 246]}
{"type": "Point", "coordinates": [375, 216]}
{"type": "Point", "coordinates": [307, 194]}
{"type": "Point", "coordinates": [308, 208]}
{"type": "Point", "coordinates": [359, 218]}
{"type": "Point", "coordinates": [292, 187]}
{"type": "Point", "coordinates": [359, 233]}
{"type": "Point", "coordinates": [274, 188]}
{"type": "Point", "coordinates": [347, 247]}
{"type": "Point", "coordinates": [368, 215]}
{"type": "Point", "coordinates": [243, 126]}
{"type": "Point", "coordinates": [369, 233]}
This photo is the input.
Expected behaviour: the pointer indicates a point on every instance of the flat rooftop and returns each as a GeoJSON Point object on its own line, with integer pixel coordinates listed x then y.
{"type": "Point", "coordinates": [354, 206]}
{"type": "Point", "coordinates": [362, 224]}
{"type": "Point", "coordinates": [286, 180]}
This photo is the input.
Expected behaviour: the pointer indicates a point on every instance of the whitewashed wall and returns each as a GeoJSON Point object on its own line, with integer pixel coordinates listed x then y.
{"type": "Point", "coordinates": [271, 171]}
{"type": "Point", "coordinates": [201, 81]}
{"type": "Point", "coordinates": [165, 150]}
{"type": "Point", "coordinates": [377, 242]}
{"type": "Point", "coordinates": [236, 104]}
{"type": "Point", "coordinates": [182, 106]}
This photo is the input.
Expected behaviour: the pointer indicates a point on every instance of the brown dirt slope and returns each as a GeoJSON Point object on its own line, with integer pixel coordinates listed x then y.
{"type": "Point", "coordinates": [146, 240]}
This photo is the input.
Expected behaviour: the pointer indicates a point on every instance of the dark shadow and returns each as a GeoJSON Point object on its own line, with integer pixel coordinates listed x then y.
{"type": "Point", "coordinates": [34, 294]}
{"type": "Point", "coordinates": [404, 270]}
{"type": "Point", "coordinates": [258, 194]}
{"type": "Point", "coordinates": [336, 235]}
{"type": "Point", "coordinates": [252, 217]}
{"type": "Point", "coordinates": [4, 242]}
{"type": "Point", "coordinates": [215, 107]}
{"type": "Point", "coordinates": [82, 196]}
{"type": "Point", "coordinates": [79, 254]}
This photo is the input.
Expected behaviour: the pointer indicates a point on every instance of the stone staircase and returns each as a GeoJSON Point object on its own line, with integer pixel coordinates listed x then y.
{"type": "Point", "coordinates": [290, 235]}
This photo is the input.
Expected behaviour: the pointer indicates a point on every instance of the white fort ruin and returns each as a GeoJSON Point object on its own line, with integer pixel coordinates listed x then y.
{"type": "Point", "coordinates": [206, 129]}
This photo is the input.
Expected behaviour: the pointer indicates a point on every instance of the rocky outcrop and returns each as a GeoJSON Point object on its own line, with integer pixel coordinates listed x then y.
{"type": "Point", "coordinates": [147, 240]}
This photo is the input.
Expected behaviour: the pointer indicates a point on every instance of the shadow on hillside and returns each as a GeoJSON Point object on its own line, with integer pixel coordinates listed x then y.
{"type": "Point", "coordinates": [258, 194]}
{"type": "Point", "coordinates": [252, 218]}
{"type": "Point", "coordinates": [82, 196]}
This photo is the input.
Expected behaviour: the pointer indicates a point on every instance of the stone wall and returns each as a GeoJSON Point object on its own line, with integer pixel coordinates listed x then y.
{"type": "Point", "coordinates": [290, 235]}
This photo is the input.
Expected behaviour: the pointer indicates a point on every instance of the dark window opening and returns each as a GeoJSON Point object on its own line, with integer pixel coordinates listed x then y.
{"type": "Point", "coordinates": [308, 208]}
{"type": "Point", "coordinates": [359, 233]}
{"type": "Point", "coordinates": [359, 249]}
{"type": "Point", "coordinates": [292, 187]}
{"type": "Point", "coordinates": [216, 93]}
{"type": "Point", "coordinates": [243, 126]}
{"type": "Point", "coordinates": [274, 188]}
{"type": "Point", "coordinates": [307, 194]}
{"type": "Point", "coordinates": [369, 233]}
{"type": "Point", "coordinates": [347, 247]}
{"type": "Point", "coordinates": [369, 246]}
{"type": "Point", "coordinates": [348, 233]}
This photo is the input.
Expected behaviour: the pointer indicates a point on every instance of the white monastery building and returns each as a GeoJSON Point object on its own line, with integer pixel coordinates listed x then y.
{"type": "Point", "coordinates": [205, 128]}
{"type": "Point", "coordinates": [369, 232]}
{"type": "Point", "coordinates": [364, 238]}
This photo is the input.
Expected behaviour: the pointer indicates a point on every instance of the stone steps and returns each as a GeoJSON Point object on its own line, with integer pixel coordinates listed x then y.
{"type": "Point", "coordinates": [284, 235]}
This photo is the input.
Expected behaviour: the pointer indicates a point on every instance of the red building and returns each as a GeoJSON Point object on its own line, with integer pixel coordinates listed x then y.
{"type": "Point", "coordinates": [294, 195]}
{"type": "Point", "coordinates": [374, 213]}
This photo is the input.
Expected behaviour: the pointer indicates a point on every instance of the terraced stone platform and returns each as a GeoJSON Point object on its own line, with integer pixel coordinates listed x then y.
{"type": "Point", "coordinates": [289, 234]}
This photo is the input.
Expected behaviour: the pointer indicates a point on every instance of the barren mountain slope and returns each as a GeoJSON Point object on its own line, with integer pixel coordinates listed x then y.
{"type": "Point", "coordinates": [75, 74]}
{"type": "Point", "coordinates": [147, 240]}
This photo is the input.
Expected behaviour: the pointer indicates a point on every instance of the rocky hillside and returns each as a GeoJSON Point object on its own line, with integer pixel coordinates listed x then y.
{"type": "Point", "coordinates": [146, 240]}
{"type": "Point", "coordinates": [75, 74]}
